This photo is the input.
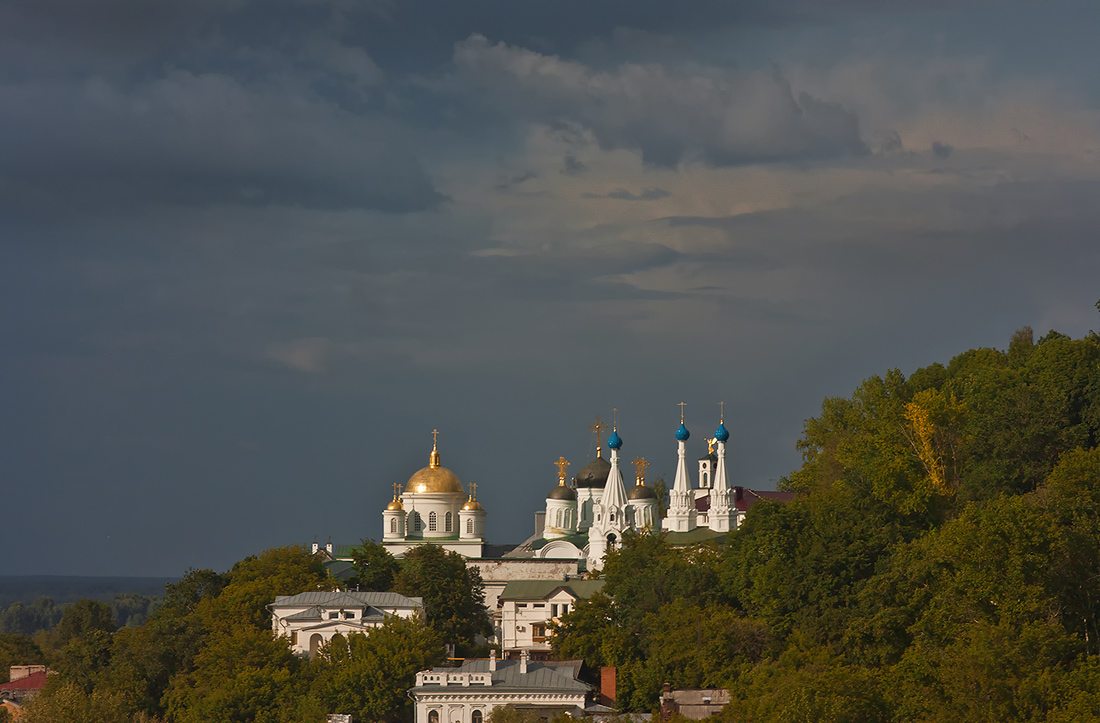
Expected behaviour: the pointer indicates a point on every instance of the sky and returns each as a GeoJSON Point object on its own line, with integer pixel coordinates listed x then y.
{"type": "Point", "coordinates": [253, 253]}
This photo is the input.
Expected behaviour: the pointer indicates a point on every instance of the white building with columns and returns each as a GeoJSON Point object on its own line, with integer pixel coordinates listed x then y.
{"type": "Point", "coordinates": [434, 508]}
{"type": "Point", "coordinates": [468, 694]}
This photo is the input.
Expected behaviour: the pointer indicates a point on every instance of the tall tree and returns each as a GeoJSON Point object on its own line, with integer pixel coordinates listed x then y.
{"type": "Point", "coordinates": [453, 593]}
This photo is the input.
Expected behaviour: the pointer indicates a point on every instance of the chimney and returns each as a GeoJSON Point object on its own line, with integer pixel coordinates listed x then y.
{"type": "Point", "coordinates": [492, 661]}
{"type": "Point", "coordinates": [607, 686]}
{"type": "Point", "coordinates": [523, 657]}
{"type": "Point", "coordinates": [328, 546]}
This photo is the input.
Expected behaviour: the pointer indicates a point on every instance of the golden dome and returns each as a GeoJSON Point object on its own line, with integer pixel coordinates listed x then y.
{"type": "Point", "coordinates": [395, 505]}
{"type": "Point", "coordinates": [472, 504]}
{"type": "Point", "coordinates": [434, 479]}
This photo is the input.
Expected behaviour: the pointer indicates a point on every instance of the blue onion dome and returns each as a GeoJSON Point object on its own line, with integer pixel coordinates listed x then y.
{"type": "Point", "coordinates": [721, 434]}
{"type": "Point", "coordinates": [614, 441]}
{"type": "Point", "coordinates": [682, 433]}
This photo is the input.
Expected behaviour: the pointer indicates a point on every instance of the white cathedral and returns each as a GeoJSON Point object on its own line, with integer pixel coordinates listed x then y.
{"type": "Point", "coordinates": [582, 520]}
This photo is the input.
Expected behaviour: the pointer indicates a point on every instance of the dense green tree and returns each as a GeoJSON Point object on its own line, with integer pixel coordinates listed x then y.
{"type": "Point", "coordinates": [453, 593]}
{"type": "Point", "coordinates": [18, 650]}
{"type": "Point", "coordinates": [21, 619]}
{"type": "Point", "coordinates": [368, 676]}
{"type": "Point", "coordinates": [375, 567]}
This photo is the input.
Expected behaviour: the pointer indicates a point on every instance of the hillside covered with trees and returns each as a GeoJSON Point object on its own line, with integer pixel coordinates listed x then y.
{"type": "Point", "coordinates": [941, 564]}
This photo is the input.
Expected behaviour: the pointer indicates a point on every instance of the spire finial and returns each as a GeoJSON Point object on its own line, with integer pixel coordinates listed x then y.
{"type": "Point", "coordinates": [396, 490]}
{"type": "Point", "coordinates": [597, 428]}
{"type": "Point", "coordinates": [433, 459]}
{"type": "Point", "coordinates": [473, 490]}
{"type": "Point", "coordinates": [562, 463]}
{"type": "Point", "coordinates": [721, 412]}
{"type": "Point", "coordinates": [614, 418]}
{"type": "Point", "coordinates": [681, 405]}
{"type": "Point", "coordinates": [639, 465]}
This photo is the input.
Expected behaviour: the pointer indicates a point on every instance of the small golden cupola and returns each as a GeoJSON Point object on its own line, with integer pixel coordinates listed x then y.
{"type": "Point", "coordinates": [472, 503]}
{"type": "Point", "coordinates": [396, 505]}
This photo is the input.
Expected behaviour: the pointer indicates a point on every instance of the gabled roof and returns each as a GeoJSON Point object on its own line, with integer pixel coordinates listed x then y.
{"type": "Point", "coordinates": [34, 681]}
{"type": "Point", "coordinates": [551, 675]}
{"type": "Point", "coordinates": [542, 589]}
{"type": "Point", "coordinates": [380, 600]}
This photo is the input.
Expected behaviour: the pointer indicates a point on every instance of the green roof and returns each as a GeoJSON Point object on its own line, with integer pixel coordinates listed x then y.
{"type": "Point", "coordinates": [540, 589]}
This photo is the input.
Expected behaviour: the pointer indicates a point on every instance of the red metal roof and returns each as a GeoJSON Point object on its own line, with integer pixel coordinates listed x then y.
{"type": "Point", "coordinates": [34, 681]}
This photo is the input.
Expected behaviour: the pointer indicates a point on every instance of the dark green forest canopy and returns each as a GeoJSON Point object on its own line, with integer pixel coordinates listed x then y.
{"type": "Point", "coordinates": [942, 562]}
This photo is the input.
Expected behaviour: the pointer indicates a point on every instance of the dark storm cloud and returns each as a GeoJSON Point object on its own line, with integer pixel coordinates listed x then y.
{"type": "Point", "coordinates": [719, 117]}
{"type": "Point", "coordinates": [196, 139]}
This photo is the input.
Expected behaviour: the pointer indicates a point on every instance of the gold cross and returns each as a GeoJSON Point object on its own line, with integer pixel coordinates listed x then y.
{"type": "Point", "coordinates": [615, 418]}
{"type": "Point", "coordinates": [473, 490]}
{"type": "Point", "coordinates": [562, 463]}
{"type": "Point", "coordinates": [597, 428]}
{"type": "Point", "coordinates": [722, 413]}
{"type": "Point", "coordinates": [435, 437]}
{"type": "Point", "coordinates": [681, 405]}
{"type": "Point", "coordinates": [396, 490]}
{"type": "Point", "coordinates": [640, 464]}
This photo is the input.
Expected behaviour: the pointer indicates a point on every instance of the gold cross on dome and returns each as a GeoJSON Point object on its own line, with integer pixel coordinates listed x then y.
{"type": "Point", "coordinates": [396, 490]}
{"type": "Point", "coordinates": [561, 464]}
{"type": "Point", "coordinates": [597, 428]}
{"type": "Point", "coordinates": [681, 405]}
{"type": "Point", "coordinates": [614, 418]}
{"type": "Point", "coordinates": [435, 437]}
{"type": "Point", "coordinates": [640, 464]}
{"type": "Point", "coordinates": [473, 490]}
{"type": "Point", "coordinates": [722, 413]}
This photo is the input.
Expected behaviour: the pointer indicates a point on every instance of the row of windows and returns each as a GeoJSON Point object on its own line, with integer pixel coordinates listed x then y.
{"type": "Point", "coordinates": [417, 523]}
{"type": "Point", "coordinates": [475, 717]}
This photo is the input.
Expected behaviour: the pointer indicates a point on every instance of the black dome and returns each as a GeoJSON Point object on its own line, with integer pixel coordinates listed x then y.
{"type": "Point", "coordinates": [561, 492]}
{"type": "Point", "coordinates": [594, 474]}
{"type": "Point", "coordinates": [641, 492]}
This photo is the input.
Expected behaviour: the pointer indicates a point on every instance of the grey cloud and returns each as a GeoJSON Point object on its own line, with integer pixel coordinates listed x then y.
{"type": "Point", "coordinates": [197, 139]}
{"type": "Point", "coordinates": [718, 117]}
{"type": "Point", "coordinates": [621, 194]}
{"type": "Point", "coordinates": [942, 150]}
{"type": "Point", "coordinates": [571, 166]}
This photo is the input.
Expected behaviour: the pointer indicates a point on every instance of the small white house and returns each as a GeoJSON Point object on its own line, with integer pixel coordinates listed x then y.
{"type": "Point", "coordinates": [526, 607]}
{"type": "Point", "coordinates": [468, 694]}
{"type": "Point", "coordinates": [311, 619]}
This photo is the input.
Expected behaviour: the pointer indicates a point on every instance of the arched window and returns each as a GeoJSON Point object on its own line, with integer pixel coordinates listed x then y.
{"type": "Point", "coordinates": [315, 643]}
{"type": "Point", "coordinates": [558, 520]}
{"type": "Point", "coordinates": [433, 521]}
{"type": "Point", "coordinates": [476, 717]}
{"type": "Point", "coordinates": [447, 523]}
{"type": "Point", "coordinates": [416, 521]}
{"type": "Point", "coordinates": [433, 715]}
{"type": "Point", "coordinates": [469, 527]}
{"type": "Point", "coordinates": [393, 525]}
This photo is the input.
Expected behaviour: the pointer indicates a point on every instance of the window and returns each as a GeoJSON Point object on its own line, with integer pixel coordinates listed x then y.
{"type": "Point", "coordinates": [538, 605]}
{"type": "Point", "coordinates": [553, 611]}
{"type": "Point", "coordinates": [349, 616]}
{"type": "Point", "coordinates": [393, 526]}
{"type": "Point", "coordinates": [433, 716]}
{"type": "Point", "coordinates": [416, 521]}
{"type": "Point", "coordinates": [332, 616]}
{"type": "Point", "coordinates": [538, 632]}
{"type": "Point", "coordinates": [447, 523]}
{"type": "Point", "coordinates": [476, 717]}
{"type": "Point", "coordinates": [564, 609]}
{"type": "Point", "coordinates": [294, 638]}
{"type": "Point", "coordinates": [470, 528]}
{"type": "Point", "coordinates": [433, 521]}
{"type": "Point", "coordinates": [521, 605]}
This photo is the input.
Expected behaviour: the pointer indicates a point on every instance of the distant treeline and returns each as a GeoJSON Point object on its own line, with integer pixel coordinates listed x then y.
{"type": "Point", "coordinates": [127, 610]}
{"type": "Point", "coordinates": [70, 588]}
{"type": "Point", "coordinates": [35, 603]}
